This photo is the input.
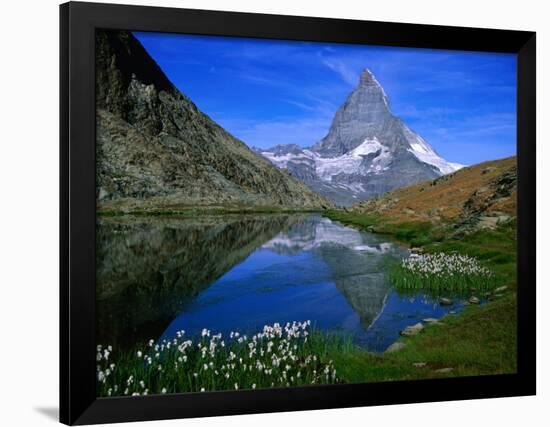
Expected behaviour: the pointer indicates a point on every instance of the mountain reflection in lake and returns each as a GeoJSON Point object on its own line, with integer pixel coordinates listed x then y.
{"type": "Point", "coordinates": [158, 276]}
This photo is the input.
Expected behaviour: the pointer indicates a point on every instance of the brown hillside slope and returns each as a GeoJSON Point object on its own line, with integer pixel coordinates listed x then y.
{"type": "Point", "coordinates": [479, 196]}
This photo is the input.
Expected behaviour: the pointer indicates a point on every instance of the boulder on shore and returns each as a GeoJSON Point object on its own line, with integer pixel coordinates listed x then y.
{"type": "Point", "coordinates": [473, 300]}
{"type": "Point", "coordinates": [412, 330]}
{"type": "Point", "coordinates": [419, 364]}
{"type": "Point", "coordinates": [396, 346]}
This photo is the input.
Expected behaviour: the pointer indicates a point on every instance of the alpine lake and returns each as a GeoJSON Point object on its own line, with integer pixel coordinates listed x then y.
{"type": "Point", "coordinates": [160, 275]}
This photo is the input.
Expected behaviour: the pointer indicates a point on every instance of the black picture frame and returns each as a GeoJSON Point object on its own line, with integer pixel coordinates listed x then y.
{"type": "Point", "coordinates": [78, 401]}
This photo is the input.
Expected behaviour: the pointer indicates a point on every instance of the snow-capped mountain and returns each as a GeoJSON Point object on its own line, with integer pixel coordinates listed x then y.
{"type": "Point", "coordinates": [312, 235]}
{"type": "Point", "coordinates": [367, 151]}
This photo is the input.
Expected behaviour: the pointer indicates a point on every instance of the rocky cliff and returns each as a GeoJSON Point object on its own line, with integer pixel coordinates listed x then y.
{"type": "Point", "coordinates": [156, 149]}
{"type": "Point", "coordinates": [367, 151]}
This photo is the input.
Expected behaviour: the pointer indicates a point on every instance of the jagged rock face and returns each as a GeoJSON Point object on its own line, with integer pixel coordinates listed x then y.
{"type": "Point", "coordinates": [156, 149]}
{"type": "Point", "coordinates": [367, 151]}
{"type": "Point", "coordinates": [364, 115]}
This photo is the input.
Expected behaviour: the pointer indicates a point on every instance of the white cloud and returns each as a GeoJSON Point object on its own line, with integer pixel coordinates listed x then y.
{"type": "Point", "coordinates": [347, 73]}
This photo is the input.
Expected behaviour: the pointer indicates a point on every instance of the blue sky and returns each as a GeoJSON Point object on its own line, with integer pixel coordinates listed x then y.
{"type": "Point", "coordinates": [269, 92]}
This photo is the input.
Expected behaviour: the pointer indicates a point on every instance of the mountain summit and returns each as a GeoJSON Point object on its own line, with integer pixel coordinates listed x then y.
{"type": "Point", "coordinates": [367, 151]}
{"type": "Point", "coordinates": [364, 114]}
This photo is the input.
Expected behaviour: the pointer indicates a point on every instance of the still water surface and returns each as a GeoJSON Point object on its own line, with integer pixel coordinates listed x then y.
{"type": "Point", "coordinates": [224, 273]}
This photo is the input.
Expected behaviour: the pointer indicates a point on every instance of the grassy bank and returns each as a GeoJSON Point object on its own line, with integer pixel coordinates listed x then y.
{"type": "Point", "coordinates": [494, 249]}
{"type": "Point", "coordinates": [481, 340]}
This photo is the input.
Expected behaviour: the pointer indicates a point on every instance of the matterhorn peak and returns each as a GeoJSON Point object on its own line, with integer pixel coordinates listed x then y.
{"type": "Point", "coordinates": [368, 82]}
{"type": "Point", "coordinates": [367, 78]}
{"type": "Point", "coordinates": [365, 110]}
{"type": "Point", "coordinates": [367, 150]}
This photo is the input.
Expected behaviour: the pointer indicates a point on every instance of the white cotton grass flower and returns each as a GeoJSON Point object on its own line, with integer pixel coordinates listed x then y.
{"type": "Point", "coordinates": [275, 356]}
{"type": "Point", "coordinates": [444, 263]}
{"type": "Point", "coordinates": [448, 271]}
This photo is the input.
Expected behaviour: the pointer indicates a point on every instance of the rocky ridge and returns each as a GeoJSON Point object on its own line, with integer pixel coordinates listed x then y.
{"type": "Point", "coordinates": [156, 149]}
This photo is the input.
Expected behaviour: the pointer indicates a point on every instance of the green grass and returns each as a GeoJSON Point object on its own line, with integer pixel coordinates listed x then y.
{"type": "Point", "coordinates": [440, 285]}
{"type": "Point", "coordinates": [480, 341]}
{"type": "Point", "coordinates": [442, 273]}
{"type": "Point", "coordinates": [413, 233]}
{"type": "Point", "coordinates": [494, 249]}
{"type": "Point", "coordinates": [211, 362]}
